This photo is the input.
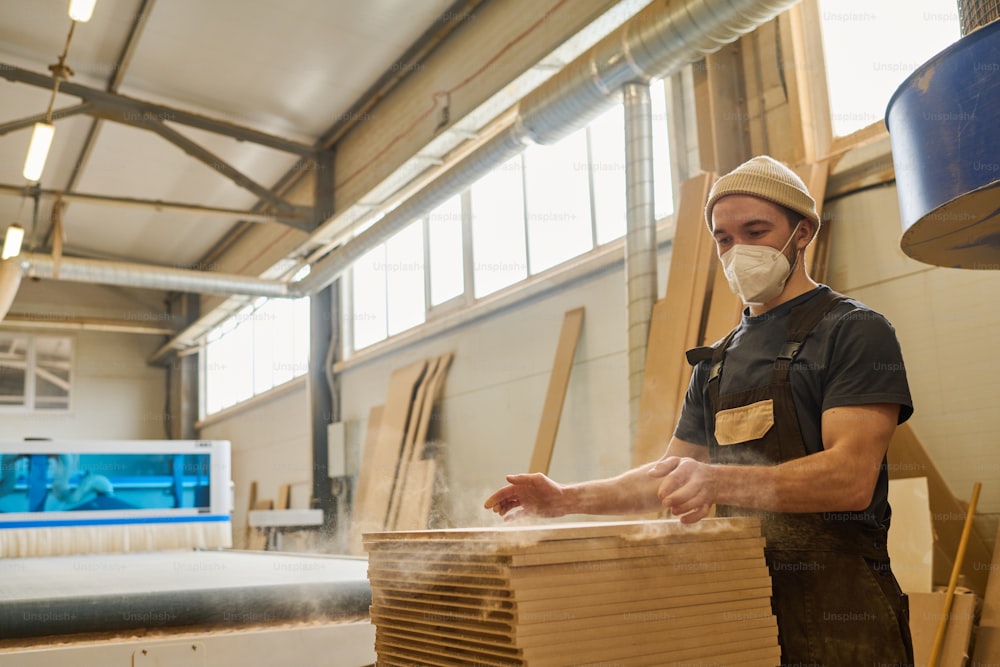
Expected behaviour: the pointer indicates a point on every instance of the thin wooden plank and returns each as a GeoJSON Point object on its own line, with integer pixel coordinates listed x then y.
{"type": "Point", "coordinates": [555, 395]}
{"type": "Point", "coordinates": [534, 609]}
{"type": "Point", "coordinates": [654, 585]}
{"type": "Point", "coordinates": [403, 644]}
{"type": "Point", "coordinates": [584, 616]}
{"type": "Point", "coordinates": [434, 393]}
{"type": "Point", "coordinates": [719, 644]}
{"type": "Point", "coordinates": [663, 624]}
{"type": "Point", "coordinates": [527, 549]}
{"type": "Point", "coordinates": [408, 453]}
{"type": "Point", "coordinates": [411, 450]}
{"type": "Point", "coordinates": [685, 556]}
{"type": "Point", "coordinates": [371, 507]}
{"type": "Point", "coordinates": [756, 589]}
{"type": "Point", "coordinates": [531, 537]}
{"type": "Point", "coordinates": [258, 537]}
{"type": "Point", "coordinates": [707, 633]}
{"type": "Point", "coordinates": [660, 401]}
{"type": "Point", "coordinates": [564, 627]}
{"type": "Point", "coordinates": [815, 176]}
{"type": "Point", "coordinates": [364, 479]}
{"type": "Point", "coordinates": [251, 505]}
{"type": "Point", "coordinates": [417, 494]}
{"type": "Point", "coordinates": [417, 489]}
{"type": "Point", "coordinates": [284, 497]}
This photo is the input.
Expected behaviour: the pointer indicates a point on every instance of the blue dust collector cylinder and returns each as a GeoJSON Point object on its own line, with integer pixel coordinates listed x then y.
{"type": "Point", "coordinates": [944, 127]}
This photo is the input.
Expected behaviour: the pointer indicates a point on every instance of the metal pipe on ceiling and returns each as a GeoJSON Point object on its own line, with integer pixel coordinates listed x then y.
{"type": "Point", "coordinates": [655, 43]}
{"type": "Point", "coordinates": [144, 276]}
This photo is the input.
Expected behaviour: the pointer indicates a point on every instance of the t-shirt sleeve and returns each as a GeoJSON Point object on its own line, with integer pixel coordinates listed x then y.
{"type": "Point", "coordinates": [866, 365]}
{"type": "Point", "coordinates": [691, 425]}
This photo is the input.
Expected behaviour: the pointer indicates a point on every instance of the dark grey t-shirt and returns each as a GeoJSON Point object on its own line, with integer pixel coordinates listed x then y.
{"type": "Point", "coordinates": [852, 357]}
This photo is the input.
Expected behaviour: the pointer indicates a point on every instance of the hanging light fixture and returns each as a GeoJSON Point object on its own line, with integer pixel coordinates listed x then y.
{"type": "Point", "coordinates": [38, 150]}
{"type": "Point", "coordinates": [44, 131]}
{"type": "Point", "coordinates": [12, 241]}
{"type": "Point", "coordinates": [81, 10]}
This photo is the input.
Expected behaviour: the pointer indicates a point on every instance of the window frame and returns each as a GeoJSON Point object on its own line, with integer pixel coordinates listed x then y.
{"type": "Point", "coordinates": [31, 371]}
{"type": "Point", "coordinates": [434, 314]}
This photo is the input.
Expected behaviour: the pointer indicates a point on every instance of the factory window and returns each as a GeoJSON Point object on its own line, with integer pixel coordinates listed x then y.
{"type": "Point", "coordinates": [368, 298]}
{"type": "Point", "coordinates": [537, 210]}
{"type": "Point", "coordinates": [607, 173]}
{"type": "Point", "coordinates": [35, 372]}
{"type": "Point", "coordinates": [264, 345]}
{"type": "Point", "coordinates": [404, 279]}
{"type": "Point", "coordinates": [556, 185]}
{"type": "Point", "coordinates": [499, 254]}
{"type": "Point", "coordinates": [445, 251]}
{"type": "Point", "coordinates": [861, 80]}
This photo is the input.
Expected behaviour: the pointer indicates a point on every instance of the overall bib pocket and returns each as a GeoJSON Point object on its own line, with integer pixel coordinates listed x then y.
{"type": "Point", "coordinates": [744, 423]}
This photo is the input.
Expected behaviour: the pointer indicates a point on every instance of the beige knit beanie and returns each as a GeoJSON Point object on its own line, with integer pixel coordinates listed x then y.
{"type": "Point", "coordinates": [764, 177]}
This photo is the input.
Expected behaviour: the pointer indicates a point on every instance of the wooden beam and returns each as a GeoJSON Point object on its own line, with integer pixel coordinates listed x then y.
{"type": "Point", "coordinates": [555, 396]}
{"type": "Point", "coordinates": [817, 254]}
{"type": "Point", "coordinates": [675, 323]}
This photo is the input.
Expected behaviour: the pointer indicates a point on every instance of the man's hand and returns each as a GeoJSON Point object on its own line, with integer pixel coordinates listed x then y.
{"type": "Point", "coordinates": [534, 493]}
{"type": "Point", "coordinates": [688, 487]}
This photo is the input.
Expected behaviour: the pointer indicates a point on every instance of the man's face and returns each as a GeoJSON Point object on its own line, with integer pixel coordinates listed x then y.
{"type": "Point", "coordinates": [743, 219]}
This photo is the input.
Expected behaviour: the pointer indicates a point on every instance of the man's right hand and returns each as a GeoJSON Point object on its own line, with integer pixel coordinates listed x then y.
{"type": "Point", "coordinates": [531, 494]}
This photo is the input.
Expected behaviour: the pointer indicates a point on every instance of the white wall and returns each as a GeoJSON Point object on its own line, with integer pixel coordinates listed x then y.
{"type": "Point", "coordinates": [493, 395]}
{"type": "Point", "coordinates": [271, 443]}
{"type": "Point", "coordinates": [115, 394]}
{"type": "Point", "coordinates": [947, 322]}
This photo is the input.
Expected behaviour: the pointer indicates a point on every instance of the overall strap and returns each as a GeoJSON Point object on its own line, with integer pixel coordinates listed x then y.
{"type": "Point", "coordinates": [716, 354]}
{"type": "Point", "coordinates": [802, 321]}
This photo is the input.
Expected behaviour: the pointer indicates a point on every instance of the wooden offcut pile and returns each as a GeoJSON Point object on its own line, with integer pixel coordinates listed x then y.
{"type": "Point", "coordinates": [628, 593]}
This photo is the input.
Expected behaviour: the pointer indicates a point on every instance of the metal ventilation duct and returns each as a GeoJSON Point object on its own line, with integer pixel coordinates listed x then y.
{"type": "Point", "coordinates": [656, 42]}
{"type": "Point", "coordinates": [150, 277]}
{"type": "Point", "coordinates": [944, 126]}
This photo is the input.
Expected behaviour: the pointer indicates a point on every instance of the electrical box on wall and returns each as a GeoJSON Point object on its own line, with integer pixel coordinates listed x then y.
{"type": "Point", "coordinates": [335, 450]}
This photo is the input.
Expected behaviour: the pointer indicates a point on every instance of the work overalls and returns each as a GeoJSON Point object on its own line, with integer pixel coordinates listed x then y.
{"type": "Point", "coordinates": [835, 598]}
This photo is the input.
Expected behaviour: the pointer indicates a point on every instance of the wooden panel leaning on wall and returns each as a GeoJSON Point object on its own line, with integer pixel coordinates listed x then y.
{"type": "Point", "coordinates": [393, 481]}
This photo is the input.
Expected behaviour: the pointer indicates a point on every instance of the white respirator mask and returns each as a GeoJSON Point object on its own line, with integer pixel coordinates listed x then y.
{"type": "Point", "coordinates": [757, 273]}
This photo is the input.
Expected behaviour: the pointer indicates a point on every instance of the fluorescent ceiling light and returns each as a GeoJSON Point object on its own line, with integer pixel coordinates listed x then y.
{"type": "Point", "coordinates": [12, 241]}
{"type": "Point", "coordinates": [38, 150]}
{"type": "Point", "coordinates": [81, 10]}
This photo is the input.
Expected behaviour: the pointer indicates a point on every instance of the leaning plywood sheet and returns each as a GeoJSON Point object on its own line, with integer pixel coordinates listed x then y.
{"type": "Point", "coordinates": [643, 592]}
{"type": "Point", "coordinates": [371, 503]}
{"type": "Point", "coordinates": [907, 458]}
{"type": "Point", "coordinates": [410, 450]}
{"type": "Point", "coordinates": [911, 535]}
{"type": "Point", "coordinates": [675, 324]}
{"type": "Point", "coordinates": [556, 394]}
{"type": "Point", "coordinates": [414, 487]}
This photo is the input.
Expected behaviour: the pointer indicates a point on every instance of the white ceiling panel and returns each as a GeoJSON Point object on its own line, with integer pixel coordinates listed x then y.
{"type": "Point", "coordinates": [290, 68]}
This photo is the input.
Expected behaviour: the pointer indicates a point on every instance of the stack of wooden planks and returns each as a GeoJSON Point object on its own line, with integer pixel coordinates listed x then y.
{"type": "Point", "coordinates": [396, 480]}
{"type": "Point", "coordinates": [624, 593]}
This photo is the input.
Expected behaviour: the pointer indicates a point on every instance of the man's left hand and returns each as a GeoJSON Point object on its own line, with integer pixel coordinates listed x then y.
{"type": "Point", "coordinates": [687, 489]}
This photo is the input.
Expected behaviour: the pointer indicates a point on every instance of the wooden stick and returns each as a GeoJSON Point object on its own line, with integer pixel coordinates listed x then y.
{"type": "Point", "coordinates": [959, 557]}
{"type": "Point", "coordinates": [555, 396]}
